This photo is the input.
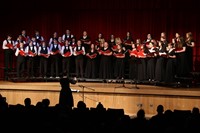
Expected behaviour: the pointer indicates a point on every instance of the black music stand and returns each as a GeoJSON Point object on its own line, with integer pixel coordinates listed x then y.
{"type": "Point", "coordinates": [123, 85]}
{"type": "Point", "coordinates": [83, 89]}
{"type": "Point", "coordinates": [135, 87]}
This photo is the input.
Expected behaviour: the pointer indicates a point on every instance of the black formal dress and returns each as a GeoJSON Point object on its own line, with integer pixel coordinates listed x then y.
{"type": "Point", "coordinates": [160, 65]}
{"type": "Point", "coordinates": [170, 68]}
{"type": "Point", "coordinates": [106, 68]}
{"type": "Point", "coordinates": [91, 65]}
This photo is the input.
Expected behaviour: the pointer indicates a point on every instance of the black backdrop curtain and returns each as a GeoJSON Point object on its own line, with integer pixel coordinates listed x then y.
{"type": "Point", "coordinates": [140, 17]}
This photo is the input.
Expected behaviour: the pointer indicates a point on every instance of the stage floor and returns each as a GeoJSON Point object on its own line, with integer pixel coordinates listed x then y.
{"type": "Point", "coordinates": [130, 97]}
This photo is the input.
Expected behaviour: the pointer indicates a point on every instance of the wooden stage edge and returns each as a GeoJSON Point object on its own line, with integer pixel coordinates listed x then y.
{"type": "Point", "coordinates": [111, 95]}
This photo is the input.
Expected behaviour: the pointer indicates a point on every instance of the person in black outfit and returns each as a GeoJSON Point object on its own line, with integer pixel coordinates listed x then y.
{"type": "Point", "coordinates": [105, 66]}
{"type": "Point", "coordinates": [181, 58]}
{"type": "Point", "coordinates": [66, 100]}
{"type": "Point", "coordinates": [151, 59]}
{"type": "Point", "coordinates": [190, 44]}
{"type": "Point", "coordinates": [133, 63]}
{"type": "Point", "coordinates": [91, 65]}
{"type": "Point", "coordinates": [160, 62]}
{"type": "Point", "coordinates": [170, 64]}
{"type": "Point", "coordinates": [112, 42]}
{"type": "Point", "coordinates": [141, 60]}
{"type": "Point", "coordinates": [86, 41]}
{"type": "Point", "coordinates": [128, 40]}
{"type": "Point", "coordinates": [119, 55]}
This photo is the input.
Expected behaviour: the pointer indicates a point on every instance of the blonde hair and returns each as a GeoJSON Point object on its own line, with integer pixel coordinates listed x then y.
{"type": "Point", "coordinates": [189, 35]}
{"type": "Point", "coordinates": [118, 40]}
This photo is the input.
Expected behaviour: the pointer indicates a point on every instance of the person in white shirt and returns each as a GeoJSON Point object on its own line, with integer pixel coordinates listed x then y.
{"type": "Point", "coordinates": [21, 55]}
{"type": "Point", "coordinates": [55, 56]}
{"type": "Point", "coordinates": [31, 52]}
{"type": "Point", "coordinates": [8, 47]}
{"type": "Point", "coordinates": [67, 36]}
{"type": "Point", "coordinates": [66, 52]}
{"type": "Point", "coordinates": [79, 53]}
{"type": "Point", "coordinates": [25, 37]}
{"type": "Point", "coordinates": [39, 38]}
{"type": "Point", "coordinates": [55, 36]}
{"type": "Point", "coordinates": [17, 42]}
{"type": "Point", "coordinates": [43, 53]}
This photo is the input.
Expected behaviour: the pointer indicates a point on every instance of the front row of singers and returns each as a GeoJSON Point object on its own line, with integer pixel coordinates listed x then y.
{"type": "Point", "coordinates": [144, 62]}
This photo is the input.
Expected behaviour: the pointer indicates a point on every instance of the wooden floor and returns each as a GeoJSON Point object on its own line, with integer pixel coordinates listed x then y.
{"type": "Point", "coordinates": [111, 95]}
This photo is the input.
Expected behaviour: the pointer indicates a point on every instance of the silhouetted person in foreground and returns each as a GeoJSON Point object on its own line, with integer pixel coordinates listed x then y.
{"type": "Point", "coordinates": [157, 121]}
{"type": "Point", "coordinates": [140, 123]}
{"type": "Point", "coordinates": [66, 100]}
{"type": "Point", "coordinates": [27, 104]}
{"type": "Point", "coordinates": [46, 102]}
{"type": "Point", "coordinates": [3, 104]}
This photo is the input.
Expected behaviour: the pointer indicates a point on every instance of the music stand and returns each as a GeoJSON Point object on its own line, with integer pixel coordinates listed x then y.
{"type": "Point", "coordinates": [136, 87]}
{"type": "Point", "coordinates": [123, 85]}
{"type": "Point", "coordinates": [83, 89]}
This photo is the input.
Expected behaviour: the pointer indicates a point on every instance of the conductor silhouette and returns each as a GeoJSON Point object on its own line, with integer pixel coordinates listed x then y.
{"type": "Point", "coordinates": [66, 100]}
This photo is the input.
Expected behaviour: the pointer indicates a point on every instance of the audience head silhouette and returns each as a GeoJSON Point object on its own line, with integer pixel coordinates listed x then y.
{"type": "Point", "coordinates": [46, 102]}
{"type": "Point", "coordinates": [27, 102]}
{"type": "Point", "coordinates": [100, 106]}
{"type": "Point", "coordinates": [141, 113]}
{"type": "Point", "coordinates": [81, 105]}
{"type": "Point", "coordinates": [160, 109]}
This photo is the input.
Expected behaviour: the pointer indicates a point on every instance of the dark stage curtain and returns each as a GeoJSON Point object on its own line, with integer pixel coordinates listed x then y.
{"type": "Point", "coordinates": [140, 17]}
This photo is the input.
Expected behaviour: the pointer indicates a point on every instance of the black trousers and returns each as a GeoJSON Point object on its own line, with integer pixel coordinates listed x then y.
{"type": "Point", "coordinates": [20, 65]}
{"type": "Point", "coordinates": [8, 61]}
{"type": "Point", "coordinates": [79, 66]}
{"type": "Point", "coordinates": [55, 65]}
{"type": "Point", "coordinates": [66, 66]}
{"type": "Point", "coordinates": [43, 66]}
{"type": "Point", "coordinates": [30, 66]}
